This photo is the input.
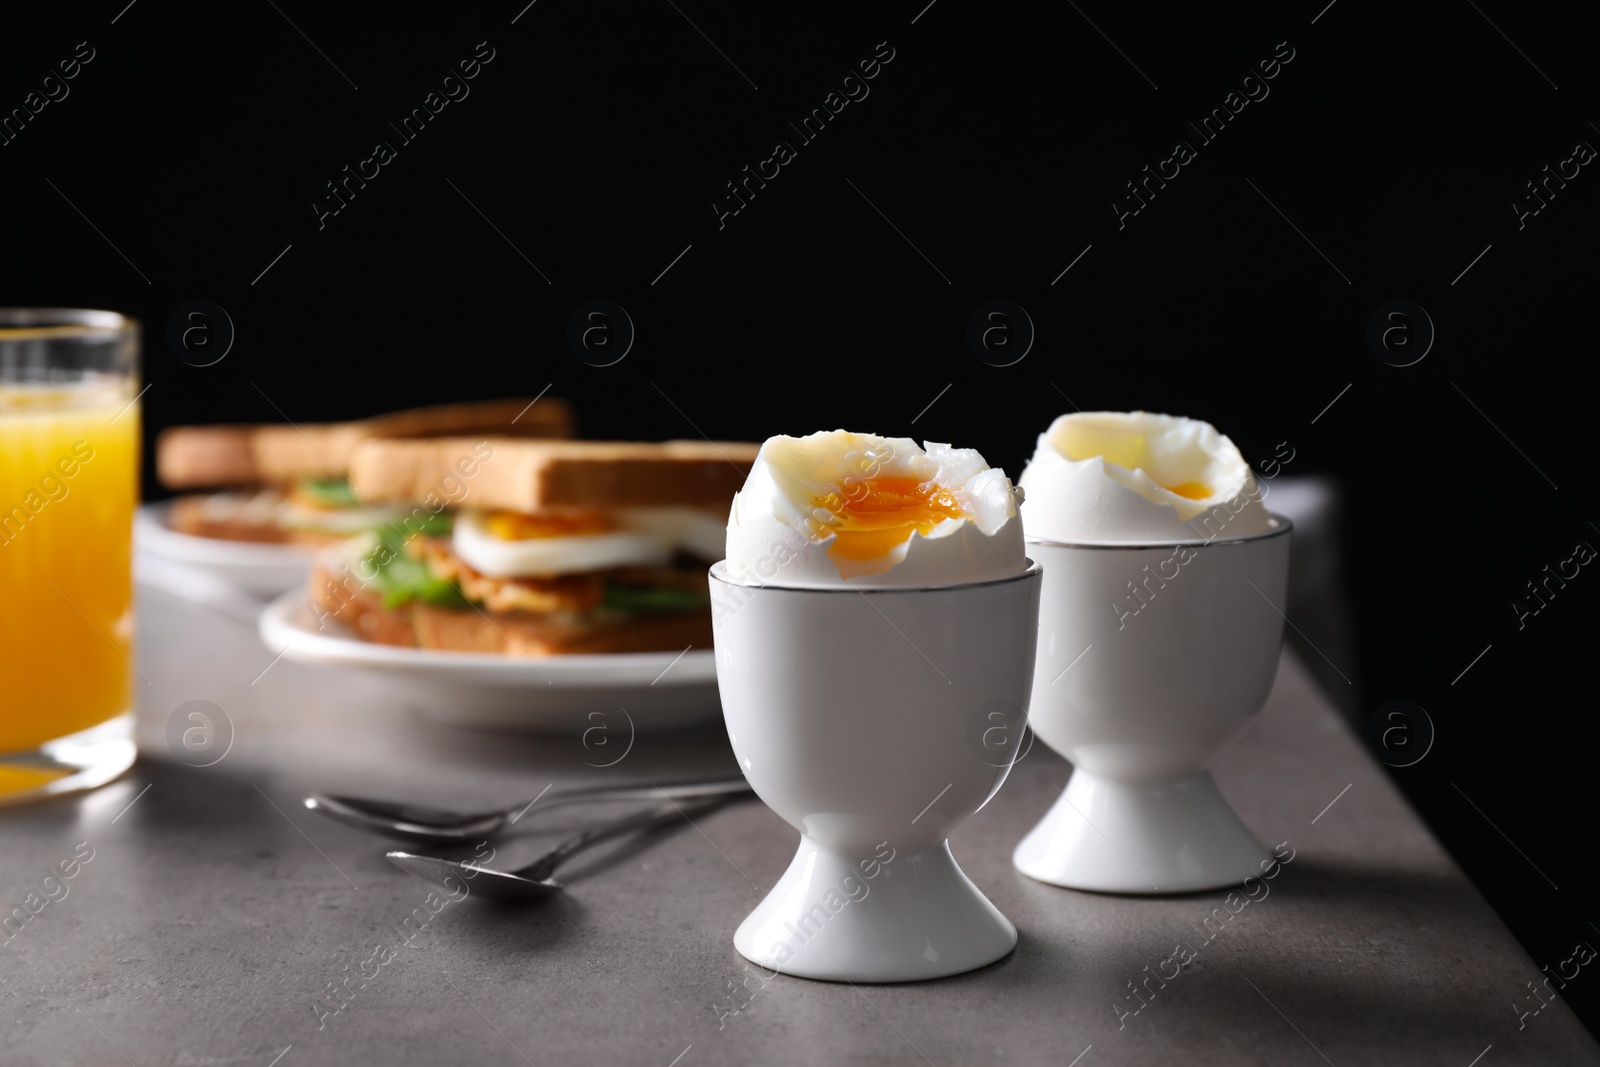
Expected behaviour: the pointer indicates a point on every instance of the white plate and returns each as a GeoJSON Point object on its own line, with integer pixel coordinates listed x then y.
{"type": "Point", "coordinates": [623, 693]}
{"type": "Point", "coordinates": [261, 569]}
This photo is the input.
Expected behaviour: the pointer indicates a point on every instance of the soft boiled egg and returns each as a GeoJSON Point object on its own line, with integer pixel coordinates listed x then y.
{"type": "Point", "coordinates": [503, 544]}
{"type": "Point", "coordinates": [837, 507]}
{"type": "Point", "coordinates": [1107, 476]}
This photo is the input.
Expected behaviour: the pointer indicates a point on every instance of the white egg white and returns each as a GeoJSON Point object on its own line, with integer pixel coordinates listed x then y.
{"type": "Point", "coordinates": [544, 556]}
{"type": "Point", "coordinates": [696, 532]}
{"type": "Point", "coordinates": [780, 525]}
{"type": "Point", "coordinates": [1104, 477]}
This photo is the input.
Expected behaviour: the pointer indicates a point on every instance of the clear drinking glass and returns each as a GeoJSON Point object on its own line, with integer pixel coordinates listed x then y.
{"type": "Point", "coordinates": [69, 483]}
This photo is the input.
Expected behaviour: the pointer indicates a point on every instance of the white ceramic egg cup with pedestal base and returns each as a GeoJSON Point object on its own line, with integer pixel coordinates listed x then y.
{"type": "Point", "coordinates": [1150, 657]}
{"type": "Point", "coordinates": [859, 716]}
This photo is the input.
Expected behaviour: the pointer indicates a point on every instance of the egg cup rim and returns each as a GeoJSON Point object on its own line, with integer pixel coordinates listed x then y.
{"type": "Point", "coordinates": [1285, 526]}
{"type": "Point", "coordinates": [1033, 570]}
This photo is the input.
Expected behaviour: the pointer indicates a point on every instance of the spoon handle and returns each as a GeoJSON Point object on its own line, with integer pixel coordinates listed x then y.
{"type": "Point", "coordinates": [546, 865]}
{"type": "Point", "coordinates": [727, 785]}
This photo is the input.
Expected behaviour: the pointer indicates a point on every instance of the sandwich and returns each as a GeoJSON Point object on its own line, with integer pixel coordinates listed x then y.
{"type": "Point", "coordinates": [553, 548]}
{"type": "Point", "coordinates": [289, 484]}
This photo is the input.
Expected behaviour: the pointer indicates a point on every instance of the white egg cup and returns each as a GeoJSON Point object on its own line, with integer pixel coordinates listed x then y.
{"type": "Point", "coordinates": [859, 716]}
{"type": "Point", "coordinates": [1150, 657]}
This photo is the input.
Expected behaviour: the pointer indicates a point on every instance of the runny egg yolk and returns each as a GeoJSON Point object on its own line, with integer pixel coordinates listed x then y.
{"type": "Point", "coordinates": [517, 526]}
{"type": "Point", "coordinates": [873, 516]}
{"type": "Point", "coordinates": [1189, 490]}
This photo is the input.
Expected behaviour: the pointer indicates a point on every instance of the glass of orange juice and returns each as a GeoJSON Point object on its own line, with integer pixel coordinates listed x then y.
{"type": "Point", "coordinates": [69, 482]}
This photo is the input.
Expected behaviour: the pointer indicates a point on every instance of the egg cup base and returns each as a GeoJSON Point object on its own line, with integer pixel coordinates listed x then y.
{"type": "Point", "coordinates": [918, 917]}
{"type": "Point", "coordinates": [1140, 838]}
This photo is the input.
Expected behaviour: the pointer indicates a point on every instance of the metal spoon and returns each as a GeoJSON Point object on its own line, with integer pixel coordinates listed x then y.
{"type": "Point", "coordinates": [534, 880]}
{"type": "Point", "coordinates": [446, 827]}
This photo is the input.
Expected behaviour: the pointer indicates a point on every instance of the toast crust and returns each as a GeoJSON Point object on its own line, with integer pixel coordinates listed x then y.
{"type": "Point", "coordinates": [199, 457]}
{"type": "Point", "coordinates": [530, 476]}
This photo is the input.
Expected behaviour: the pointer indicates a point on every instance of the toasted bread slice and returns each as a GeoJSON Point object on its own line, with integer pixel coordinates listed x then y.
{"type": "Point", "coordinates": [195, 457]}
{"type": "Point", "coordinates": [192, 457]}
{"type": "Point", "coordinates": [342, 597]}
{"type": "Point", "coordinates": [529, 476]}
{"type": "Point", "coordinates": [515, 634]}
{"type": "Point", "coordinates": [240, 517]}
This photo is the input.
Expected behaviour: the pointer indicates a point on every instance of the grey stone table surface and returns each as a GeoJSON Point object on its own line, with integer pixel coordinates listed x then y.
{"type": "Point", "coordinates": [214, 913]}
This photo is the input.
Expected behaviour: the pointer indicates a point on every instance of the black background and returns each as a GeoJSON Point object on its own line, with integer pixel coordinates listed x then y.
{"type": "Point", "coordinates": [188, 153]}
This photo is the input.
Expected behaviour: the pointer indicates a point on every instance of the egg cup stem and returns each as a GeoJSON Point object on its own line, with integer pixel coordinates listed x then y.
{"type": "Point", "coordinates": [1176, 836]}
{"type": "Point", "coordinates": [919, 916]}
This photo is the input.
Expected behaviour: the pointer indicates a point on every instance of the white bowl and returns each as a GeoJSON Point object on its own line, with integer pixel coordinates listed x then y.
{"type": "Point", "coordinates": [1150, 657]}
{"type": "Point", "coordinates": [856, 716]}
{"type": "Point", "coordinates": [257, 568]}
{"type": "Point", "coordinates": [636, 691]}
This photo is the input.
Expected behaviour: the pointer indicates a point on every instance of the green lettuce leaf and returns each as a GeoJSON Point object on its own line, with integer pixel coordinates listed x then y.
{"type": "Point", "coordinates": [422, 522]}
{"type": "Point", "coordinates": [329, 492]}
{"type": "Point", "coordinates": [400, 578]}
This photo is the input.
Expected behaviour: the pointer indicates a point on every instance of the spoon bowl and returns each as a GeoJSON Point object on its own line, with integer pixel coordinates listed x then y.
{"type": "Point", "coordinates": [485, 881]}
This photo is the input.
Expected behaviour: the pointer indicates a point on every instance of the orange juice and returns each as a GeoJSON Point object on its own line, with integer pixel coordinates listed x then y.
{"type": "Point", "coordinates": [69, 460]}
